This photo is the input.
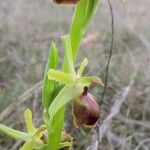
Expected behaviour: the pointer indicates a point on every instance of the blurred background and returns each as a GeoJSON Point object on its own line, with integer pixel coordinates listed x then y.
{"type": "Point", "coordinates": [26, 29]}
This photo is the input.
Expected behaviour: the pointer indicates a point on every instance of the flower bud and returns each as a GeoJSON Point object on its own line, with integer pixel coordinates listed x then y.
{"type": "Point", "coordinates": [85, 110]}
{"type": "Point", "coordinates": [66, 1]}
{"type": "Point", "coordinates": [66, 138]}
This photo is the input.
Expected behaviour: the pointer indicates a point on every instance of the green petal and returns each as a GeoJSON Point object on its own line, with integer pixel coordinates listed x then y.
{"type": "Point", "coordinates": [82, 66]}
{"type": "Point", "coordinates": [64, 96]}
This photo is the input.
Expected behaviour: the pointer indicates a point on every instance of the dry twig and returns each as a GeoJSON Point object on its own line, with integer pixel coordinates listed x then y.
{"type": "Point", "coordinates": [142, 142]}
{"type": "Point", "coordinates": [144, 124]}
{"type": "Point", "coordinates": [118, 99]}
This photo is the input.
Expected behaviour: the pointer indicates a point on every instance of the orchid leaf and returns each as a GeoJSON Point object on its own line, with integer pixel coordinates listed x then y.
{"type": "Point", "coordinates": [77, 27]}
{"type": "Point", "coordinates": [68, 65]}
{"type": "Point", "coordinates": [28, 120]}
{"type": "Point", "coordinates": [49, 85]}
{"type": "Point", "coordinates": [14, 133]}
{"type": "Point", "coordinates": [84, 12]}
{"type": "Point", "coordinates": [92, 6]}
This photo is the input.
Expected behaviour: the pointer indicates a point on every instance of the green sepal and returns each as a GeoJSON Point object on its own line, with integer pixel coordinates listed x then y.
{"type": "Point", "coordinates": [87, 81]}
{"type": "Point", "coordinates": [14, 133]}
{"type": "Point", "coordinates": [62, 77]}
{"type": "Point", "coordinates": [64, 96]}
{"type": "Point", "coordinates": [28, 121]}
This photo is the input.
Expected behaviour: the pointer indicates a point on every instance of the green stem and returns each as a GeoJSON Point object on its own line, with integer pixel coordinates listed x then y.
{"type": "Point", "coordinates": [84, 11]}
{"type": "Point", "coordinates": [58, 121]}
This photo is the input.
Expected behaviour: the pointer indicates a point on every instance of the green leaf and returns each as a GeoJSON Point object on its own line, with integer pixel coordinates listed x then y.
{"type": "Point", "coordinates": [68, 65]}
{"type": "Point", "coordinates": [14, 133]}
{"type": "Point", "coordinates": [48, 86]}
{"type": "Point", "coordinates": [77, 29]}
{"type": "Point", "coordinates": [92, 6]}
{"type": "Point", "coordinates": [59, 76]}
{"type": "Point", "coordinates": [28, 120]}
{"type": "Point", "coordinates": [27, 145]}
{"type": "Point", "coordinates": [84, 12]}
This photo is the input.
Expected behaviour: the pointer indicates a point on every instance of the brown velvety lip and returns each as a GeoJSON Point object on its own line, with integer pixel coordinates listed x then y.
{"type": "Point", "coordinates": [85, 110]}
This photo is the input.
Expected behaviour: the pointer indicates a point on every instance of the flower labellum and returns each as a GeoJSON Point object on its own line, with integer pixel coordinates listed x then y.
{"type": "Point", "coordinates": [66, 1]}
{"type": "Point", "coordinates": [85, 110]}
